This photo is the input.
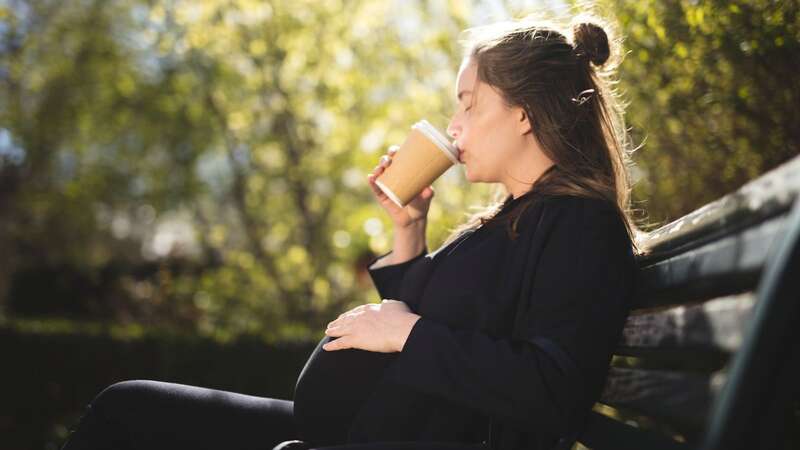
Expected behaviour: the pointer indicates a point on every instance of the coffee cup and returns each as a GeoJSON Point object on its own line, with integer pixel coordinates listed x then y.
{"type": "Point", "coordinates": [423, 157]}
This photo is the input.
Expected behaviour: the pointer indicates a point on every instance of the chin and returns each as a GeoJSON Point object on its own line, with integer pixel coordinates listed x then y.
{"type": "Point", "coordinates": [470, 176]}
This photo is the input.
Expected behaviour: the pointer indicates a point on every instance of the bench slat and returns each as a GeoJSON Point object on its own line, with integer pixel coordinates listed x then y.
{"type": "Point", "coordinates": [716, 325]}
{"type": "Point", "coordinates": [682, 399]}
{"type": "Point", "coordinates": [768, 195]}
{"type": "Point", "coordinates": [727, 266]}
{"type": "Point", "coordinates": [605, 433]}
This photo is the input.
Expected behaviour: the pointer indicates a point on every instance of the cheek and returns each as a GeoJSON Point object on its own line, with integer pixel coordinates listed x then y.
{"type": "Point", "coordinates": [503, 136]}
{"type": "Point", "coordinates": [474, 134]}
{"type": "Point", "coordinates": [505, 142]}
{"type": "Point", "coordinates": [480, 136]}
{"type": "Point", "coordinates": [488, 138]}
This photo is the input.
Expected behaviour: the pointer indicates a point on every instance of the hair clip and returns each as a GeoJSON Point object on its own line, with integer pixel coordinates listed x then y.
{"type": "Point", "coordinates": [583, 98]}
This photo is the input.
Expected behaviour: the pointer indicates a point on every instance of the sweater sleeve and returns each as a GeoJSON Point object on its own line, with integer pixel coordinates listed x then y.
{"type": "Point", "coordinates": [388, 279]}
{"type": "Point", "coordinates": [551, 368]}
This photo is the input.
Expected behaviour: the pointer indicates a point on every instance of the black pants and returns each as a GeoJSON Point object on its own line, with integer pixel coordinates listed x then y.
{"type": "Point", "coordinates": [155, 415]}
{"type": "Point", "coordinates": [143, 414]}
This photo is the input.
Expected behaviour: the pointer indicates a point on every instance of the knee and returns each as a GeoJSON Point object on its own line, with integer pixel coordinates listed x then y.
{"type": "Point", "coordinates": [100, 422]}
{"type": "Point", "coordinates": [121, 395]}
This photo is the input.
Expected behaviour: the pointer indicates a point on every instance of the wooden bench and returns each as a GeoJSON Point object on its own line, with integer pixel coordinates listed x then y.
{"type": "Point", "coordinates": [709, 355]}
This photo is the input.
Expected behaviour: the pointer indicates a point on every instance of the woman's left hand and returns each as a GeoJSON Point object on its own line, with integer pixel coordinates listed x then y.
{"type": "Point", "coordinates": [375, 327]}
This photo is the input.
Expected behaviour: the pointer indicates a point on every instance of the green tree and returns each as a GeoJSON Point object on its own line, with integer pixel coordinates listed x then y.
{"type": "Point", "coordinates": [206, 161]}
{"type": "Point", "coordinates": [713, 95]}
{"type": "Point", "coordinates": [201, 165]}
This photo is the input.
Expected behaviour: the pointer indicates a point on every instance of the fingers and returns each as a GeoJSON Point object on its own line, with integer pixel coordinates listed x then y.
{"type": "Point", "coordinates": [378, 192]}
{"type": "Point", "coordinates": [348, 315]}
{"type": "Point", "coordinates": [335, 331]}
{"type": "Point", "coordinates": [376, 172]}
{"type": "Point", "coordinates": [348, 325]}
{"type": "Point", "coordinates": [385, 161]}
{"type": "Point", "coordinates": [337, 344]}
{"type": "Point", "coordinates": [339, 320]}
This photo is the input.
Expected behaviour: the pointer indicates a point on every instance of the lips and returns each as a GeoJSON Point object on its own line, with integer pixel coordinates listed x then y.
{"type": "Point", "coordinates": [460, 151]}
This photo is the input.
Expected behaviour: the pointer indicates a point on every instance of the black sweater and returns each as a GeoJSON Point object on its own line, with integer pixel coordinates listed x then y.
{"type": "Point", "coordinates": [512, 346]}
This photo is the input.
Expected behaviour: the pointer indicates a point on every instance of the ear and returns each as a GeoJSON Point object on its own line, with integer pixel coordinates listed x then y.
{"type": "Point", "coordinates": [524, 124]}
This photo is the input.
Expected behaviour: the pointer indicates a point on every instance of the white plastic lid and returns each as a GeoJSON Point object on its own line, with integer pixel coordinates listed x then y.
{"type": "Point", "coordinates": [437, 138]}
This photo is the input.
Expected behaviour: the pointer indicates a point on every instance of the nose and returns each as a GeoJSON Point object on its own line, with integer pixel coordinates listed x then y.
{"type": "Point", "coordinates": [453, 130]}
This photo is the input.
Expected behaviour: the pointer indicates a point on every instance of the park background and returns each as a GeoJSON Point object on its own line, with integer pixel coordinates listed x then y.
{"type": "Point", "coordinates": [183, 189]}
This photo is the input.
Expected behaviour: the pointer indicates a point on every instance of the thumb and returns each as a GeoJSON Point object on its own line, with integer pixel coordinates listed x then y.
{"type": "Point", "coordinates": [428, 192]}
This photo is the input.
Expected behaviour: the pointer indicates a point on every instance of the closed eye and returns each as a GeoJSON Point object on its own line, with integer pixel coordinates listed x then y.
{"type": "Point", "coordinates": [467, 107]}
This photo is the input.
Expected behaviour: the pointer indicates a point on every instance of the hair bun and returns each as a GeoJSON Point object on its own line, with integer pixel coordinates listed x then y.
{"type": "Point", "coordinates": [591, 42]}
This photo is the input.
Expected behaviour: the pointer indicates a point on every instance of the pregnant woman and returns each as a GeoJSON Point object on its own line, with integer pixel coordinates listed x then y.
{"type": "Point", "coordinates": [501, 338]}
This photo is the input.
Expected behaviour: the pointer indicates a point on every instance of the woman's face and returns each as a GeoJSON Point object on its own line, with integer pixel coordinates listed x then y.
{"type": "Point", "coordinates": [492, 137]}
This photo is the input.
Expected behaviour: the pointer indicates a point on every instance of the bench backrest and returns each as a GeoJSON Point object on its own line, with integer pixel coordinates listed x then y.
{"type": "Point", "coordinates": [709, 349]}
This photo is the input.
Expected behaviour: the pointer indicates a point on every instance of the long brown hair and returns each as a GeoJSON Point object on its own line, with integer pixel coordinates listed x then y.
{"type": "Point", "coordinates": [565, 85]}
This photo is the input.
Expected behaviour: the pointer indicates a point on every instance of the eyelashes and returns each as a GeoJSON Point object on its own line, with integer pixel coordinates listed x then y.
{"type": "Point", "coordinates": [466, 109]}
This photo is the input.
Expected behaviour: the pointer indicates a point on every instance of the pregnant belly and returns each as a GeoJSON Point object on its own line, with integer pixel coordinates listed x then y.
{"type": "Point", "coordinates": [331, 389]}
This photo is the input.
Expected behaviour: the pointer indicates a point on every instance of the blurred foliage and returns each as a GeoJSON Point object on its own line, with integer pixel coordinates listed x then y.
{"type": "Point", "coordinates": [713, 92]}
{"type": "Point", "coordinates": [200, 166]}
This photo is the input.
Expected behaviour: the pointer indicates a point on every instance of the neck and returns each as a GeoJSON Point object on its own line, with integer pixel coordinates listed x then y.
{"type": "Point", "coordinates": [527, 166]}
{"type": "Point", "coordinates": [518, 188]}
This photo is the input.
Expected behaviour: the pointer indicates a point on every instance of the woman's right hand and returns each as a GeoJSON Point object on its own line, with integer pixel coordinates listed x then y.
{"type": "Point", "coordinates": [415, 211]}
